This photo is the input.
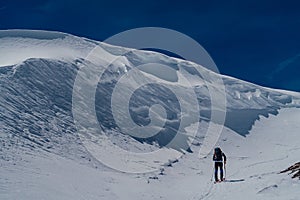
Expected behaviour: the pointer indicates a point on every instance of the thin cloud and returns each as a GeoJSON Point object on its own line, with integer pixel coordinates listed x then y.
{"type": "Point", "coordinates": [283, 65]}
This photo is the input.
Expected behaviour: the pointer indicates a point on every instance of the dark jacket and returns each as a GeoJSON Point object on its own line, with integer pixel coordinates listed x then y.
{"type": "Point", "coordinates": [218, 155]}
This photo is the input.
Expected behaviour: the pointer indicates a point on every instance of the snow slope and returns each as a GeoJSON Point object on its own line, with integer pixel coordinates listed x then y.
{"type": "Point", "coordinates": [42, 157]}
{"type": "Point", "coordinates": [252, 171]}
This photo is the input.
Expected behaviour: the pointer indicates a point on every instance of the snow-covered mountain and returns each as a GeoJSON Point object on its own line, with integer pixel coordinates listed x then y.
{"type": "Point", "coordinates": [37, 74]}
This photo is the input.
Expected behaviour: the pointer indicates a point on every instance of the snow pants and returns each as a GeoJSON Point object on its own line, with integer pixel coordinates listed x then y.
{"type": "Point", "coordinates": [217, 166]}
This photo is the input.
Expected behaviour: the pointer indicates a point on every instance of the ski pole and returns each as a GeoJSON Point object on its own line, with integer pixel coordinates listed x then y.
{"type": "Point", "coordinates": [225, 171]}
{"type": "Point", "coordinates": [211, 179]}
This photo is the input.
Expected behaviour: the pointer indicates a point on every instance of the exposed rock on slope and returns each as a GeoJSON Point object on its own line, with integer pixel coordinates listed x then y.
{"type": "Point", "coordinates": [294, 169]}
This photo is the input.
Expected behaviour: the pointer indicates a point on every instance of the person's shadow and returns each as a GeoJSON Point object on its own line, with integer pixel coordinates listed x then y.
{"type": "Point", "coordinates": [234, 180]}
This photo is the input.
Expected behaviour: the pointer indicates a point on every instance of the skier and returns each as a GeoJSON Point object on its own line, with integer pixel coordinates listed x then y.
{"type": "Point", "coordinates": [218, 159]}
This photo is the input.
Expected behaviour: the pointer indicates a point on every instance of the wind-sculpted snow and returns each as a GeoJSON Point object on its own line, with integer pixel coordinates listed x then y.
{"type": "Point", "coordinates": [36, 91]}
{"type": "Point", "coordinates": [35, 103]}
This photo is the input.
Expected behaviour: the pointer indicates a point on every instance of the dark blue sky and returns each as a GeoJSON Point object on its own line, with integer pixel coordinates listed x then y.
{"type": "Point", "coordinates": [257, 41]}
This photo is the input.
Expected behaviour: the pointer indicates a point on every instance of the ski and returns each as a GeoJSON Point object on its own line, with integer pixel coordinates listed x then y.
{"type": "Point", "coordinates": [215, 182]}
{"type": "Point", "coordinates": [218, 182]}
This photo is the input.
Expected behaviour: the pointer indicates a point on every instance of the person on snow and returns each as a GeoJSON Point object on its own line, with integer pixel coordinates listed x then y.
{"type": "Point", "coordinates": [218, 159]}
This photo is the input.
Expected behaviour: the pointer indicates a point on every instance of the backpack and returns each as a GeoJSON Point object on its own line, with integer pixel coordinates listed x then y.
{"type": "Point", "coordinates": [218, 154]}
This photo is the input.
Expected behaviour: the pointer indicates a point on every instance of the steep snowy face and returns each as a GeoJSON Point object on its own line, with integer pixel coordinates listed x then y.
{"type": "Point", "coordinates": [37, 74]}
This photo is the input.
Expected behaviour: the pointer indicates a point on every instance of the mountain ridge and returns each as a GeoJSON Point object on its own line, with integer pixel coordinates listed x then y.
{"type": "Point", "coordinates": [38, 91]}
